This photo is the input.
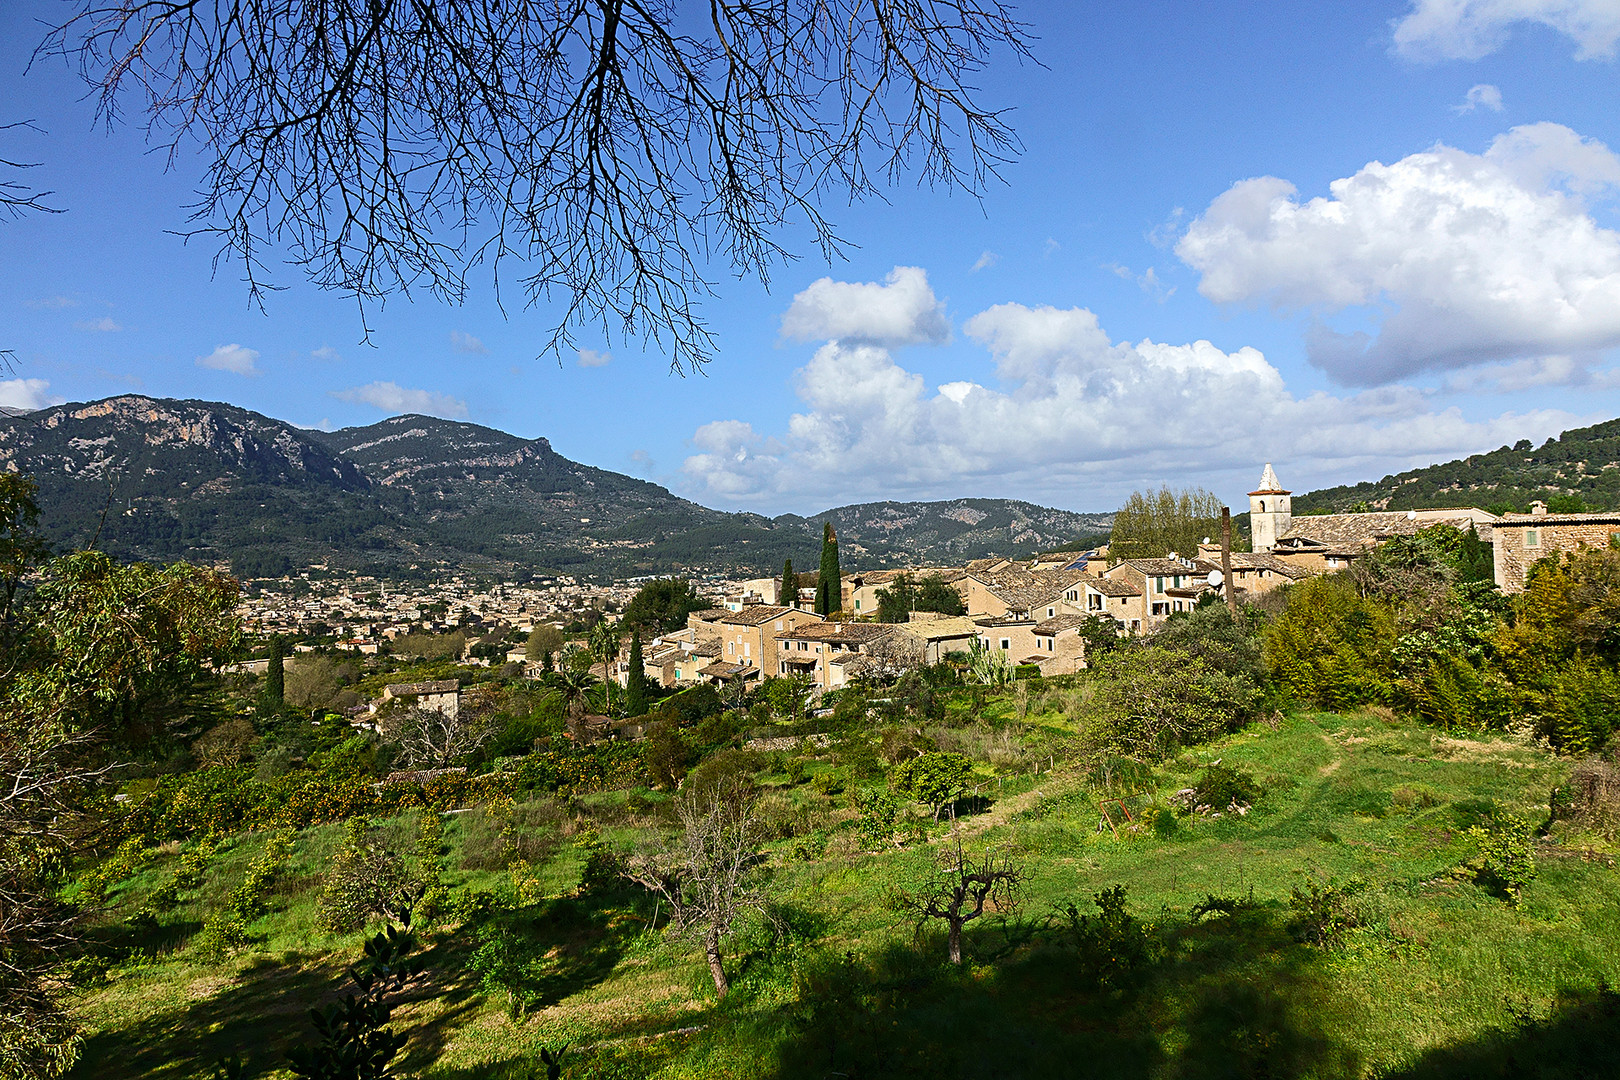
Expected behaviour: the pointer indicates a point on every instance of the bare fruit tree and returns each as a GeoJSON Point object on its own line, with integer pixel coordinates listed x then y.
{"type": "Point", "coordinates": [611, 147]}
{"type": "Point", "coordinates": [961, 888]}
{"type": "Point", "coordinates": [432, 739]}
{"type": "Point", "coordinates": [893, 655]}
{"type": "Point", "coordinates": [709, 875]}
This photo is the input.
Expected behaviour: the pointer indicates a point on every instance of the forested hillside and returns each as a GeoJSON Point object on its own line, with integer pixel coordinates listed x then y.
{"type": "Point", "coordinates": [1579, 469]}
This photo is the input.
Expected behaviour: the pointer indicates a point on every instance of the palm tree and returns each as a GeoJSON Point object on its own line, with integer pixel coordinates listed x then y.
{"type": "Point", "coordinates": [604, 645]}
{"type": "Point", "coordinates": [574, 681]}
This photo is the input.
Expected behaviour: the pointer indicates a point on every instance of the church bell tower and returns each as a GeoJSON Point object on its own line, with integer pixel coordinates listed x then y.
{"type": "Point", "coordinates": [1271, 511]}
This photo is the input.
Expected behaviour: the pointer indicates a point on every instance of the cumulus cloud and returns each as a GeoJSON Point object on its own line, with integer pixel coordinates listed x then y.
{"type": "Point", "coordinates": [27, 395]}
{"type": "Point", "coordinates": [1466, 258]}
{"type": "Point", "coordinates": [1483, 95]}
{"type": "Point", "coordinates": [592, 358]}
{"type": "Point", "coordinates": [1471, 29]}
{"type": "Point", "coordinates": [466, 343]}
{"type": "Point", "coordinates": [901, 311]}
{"type": "Point", "coordinates": [238, 359]}
{"type": "Point", "coordinates": [103, 325]}
{"type": "Point", "coordinates": [1064, 405]}
{"type": "Point", "coordinates": [391, 397]}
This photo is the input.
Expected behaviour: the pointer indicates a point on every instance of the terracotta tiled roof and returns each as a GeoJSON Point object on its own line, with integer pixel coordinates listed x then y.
{"type": "Point", "coordinates": [1333, 529]}
{"type": "Point", "coordinates": [1264, 560]}
{"type": "Point", "coordinates": [1113, 587]}
{"type": "Point", "coordinates": [756, 614]}
{"type": "Point", "coordinates": [1059, 624]}
{"type": "Point", "coordinates": [1520, 521]}
{"type": "Point", "coordinates": [841, 632]}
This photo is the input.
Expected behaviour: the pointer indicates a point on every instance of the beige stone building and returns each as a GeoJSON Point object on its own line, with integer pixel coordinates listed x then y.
{"type": "Point", "coordinates": [824, 650]}
{"type": "Point", "coordinates": [748, 640]}
{"type": "Point", "coordinates": [1522, 539]}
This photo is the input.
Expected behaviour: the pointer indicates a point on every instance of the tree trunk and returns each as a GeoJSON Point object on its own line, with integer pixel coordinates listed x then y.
{"type": "Point", "coordinates": [711, 947]}
{"type": "Point", "coordinates": [956, 941]}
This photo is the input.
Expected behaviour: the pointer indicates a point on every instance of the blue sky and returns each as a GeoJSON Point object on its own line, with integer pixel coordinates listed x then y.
{"type": "Point", "coordinates": [1347, 239]}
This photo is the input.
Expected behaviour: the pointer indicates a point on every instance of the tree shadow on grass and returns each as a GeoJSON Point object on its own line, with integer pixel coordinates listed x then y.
{"type": "Point", "coordinates": [1232, 997]}
{"type": "Point", "coordinates": [1579, 1039]}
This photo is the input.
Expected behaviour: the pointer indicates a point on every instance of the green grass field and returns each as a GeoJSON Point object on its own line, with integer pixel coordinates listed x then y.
{"type": "Point", "coordinates": [1432, 976]}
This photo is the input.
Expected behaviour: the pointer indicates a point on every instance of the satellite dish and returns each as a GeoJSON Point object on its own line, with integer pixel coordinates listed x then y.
{"type": "Point", "coordinates": [1215, 579]}
{"type": "Point", "coordinates": [1411, 515]}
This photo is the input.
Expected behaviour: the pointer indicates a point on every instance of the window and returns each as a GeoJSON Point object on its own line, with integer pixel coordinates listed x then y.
{"type": "Point", "coordinates": [1532, 538]}
{"type": "Point", "coordinates": [1050, 612]}
{"type": "Point", "coordinates": [1136, 624]}
{"type": "Point", "coordinates": [1158, 584]}
{"type": "Point", "coordinates": [1051, 644]}
{"type": "Point", "coordinates": [731, 648]}
{"type": "Point", "coordinates": [1094, 602]}
{"type": "Point", "coordinates": [1178, 606]}
{"type": "Point", "coordinates": [857, 603]}
{"type": "Point", "coordinates": [779, 625]}
{"type": "Point", "coordinates": [1006, 644]}
{"type": "Point", "coordinates": [1161, 608]}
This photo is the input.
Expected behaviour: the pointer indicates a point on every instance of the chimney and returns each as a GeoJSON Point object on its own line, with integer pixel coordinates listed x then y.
{"type": "Point", "coordinates": [1538, 508]}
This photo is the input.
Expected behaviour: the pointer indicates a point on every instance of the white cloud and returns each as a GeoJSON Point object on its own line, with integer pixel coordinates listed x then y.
{"type": "Point", "coordinates": [53, 302]}
{"type": "Point", "coordinates": [391, 397]}
{"type": "Point", "coordinates": [592, 358]}
{"type": "Point", "coordinates": [103, 325]}
{"type": "Point", "coordinates": [901, 311]}
{"type": "Point", "coordinates": [466, 343]}
{"type": "Point", "coordinates": [234, 358]}
{"type": "Point", "coordinates": [1471, 29]}
{"type": "Point", "coordinates": [985, 261]}
{"type": "Point", "coordinates": [1067, 406]}
{"type": "Point", "coordinates": [1484, 94]}
{"type": "Point", "coordinates": [27, 394]}
{"type": "Point", "coordinates": [1466, 258]}
{"type": "Point", "coordinates": [326, 352]}
{"type": "Point", "coordinates": [1533, 374]}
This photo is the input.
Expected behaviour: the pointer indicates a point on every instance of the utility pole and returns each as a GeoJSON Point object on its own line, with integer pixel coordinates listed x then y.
{"type": "Point", "coordinates": [1226, 560]}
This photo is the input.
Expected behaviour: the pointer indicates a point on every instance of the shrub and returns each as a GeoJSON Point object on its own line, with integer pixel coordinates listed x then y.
{"type": "Point", "coordinates": [507, 962]}
{"type": "Point", "coordinates": [1220, 789]}
{"type": "Point", "coordinates": [879, 814]}
{"type": "Point", "coordinates": [725, 769]}
{"type": "Point", "coordinates": [827, 783]}
{"type": "Point", "coordinates": [1111, 944]}
{"type": "Point", "coordinates": [1322, 913]}
{"type": "Point", "coordinates": [1504, 859]}
{"type": "Point", "coordinates": [1153, 700]}
{"type": "Point", "coordinates": [1592, 797]}
{"type": "Point", "coordinates": [366, 881]}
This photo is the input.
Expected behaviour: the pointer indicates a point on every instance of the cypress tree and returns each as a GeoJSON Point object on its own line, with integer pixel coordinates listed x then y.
{"type": "Point", "coordinates": [275, 677]}
{"type": "Point", "coordinates": [829, 586]}
{"type": "Point", "coordinates": [787, 594]}
{"type": "Point", "coordinates": [635, 682]}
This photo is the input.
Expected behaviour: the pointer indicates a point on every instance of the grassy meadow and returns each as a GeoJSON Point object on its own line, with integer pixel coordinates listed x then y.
{"type": "Point", "coordinates": [1423, 973]}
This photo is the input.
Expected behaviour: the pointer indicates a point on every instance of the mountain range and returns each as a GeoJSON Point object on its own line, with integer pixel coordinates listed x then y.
{"type": "Point", "coordinates": [159, 478]}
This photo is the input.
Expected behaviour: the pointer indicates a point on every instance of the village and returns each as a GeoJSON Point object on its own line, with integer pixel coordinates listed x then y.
{"type": "Point", "coordinates": [1035, 617]}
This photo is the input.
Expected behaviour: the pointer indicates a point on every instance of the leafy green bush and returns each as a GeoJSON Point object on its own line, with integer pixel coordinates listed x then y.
{"type": "Point", "coordinates": [1111, 944]}
{"type": "Point", "coordinates": [507, 962]}
{"type": "Point", "coordinates": [1322, 912]}
{"type": "Point", "coordinates": [879, 814]}
{"type": "Point", "coordinates": [1504, 858]}
{"type": "Point", "coordinates": [1220, 789]}
{"type": "Point", "coordinates": [1151, 700]}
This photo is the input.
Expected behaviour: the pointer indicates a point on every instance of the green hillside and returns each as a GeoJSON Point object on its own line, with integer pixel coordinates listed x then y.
{"type": "Point", "coordinates": [1580, 469]}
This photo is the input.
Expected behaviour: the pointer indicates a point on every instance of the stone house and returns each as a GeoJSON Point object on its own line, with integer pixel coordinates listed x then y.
{"type": "Point", "coordinates": [1522, 539]}
{"type": "Point", "coordinates": [1059, 648]}
{"type": "Point", "coordinates": [748, 639]}
{"type": "Point", "coordinates": [441, 696]}
{"type": "Point", "coordinates": [1167, 585]}
{"type": "Point", "coordinates": [824, 650]}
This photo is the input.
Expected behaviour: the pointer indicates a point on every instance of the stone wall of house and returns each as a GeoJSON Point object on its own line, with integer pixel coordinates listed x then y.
{"type": "Point", "coordinates": [1514, 558]}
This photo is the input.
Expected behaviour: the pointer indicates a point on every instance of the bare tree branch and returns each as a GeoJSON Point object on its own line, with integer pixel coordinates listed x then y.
{"type": "Point", "coordinates": [16, 199]}
{"type": "Point", "coordinates": [612, 148]}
